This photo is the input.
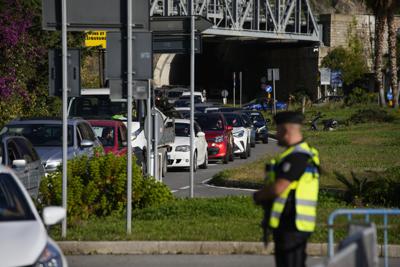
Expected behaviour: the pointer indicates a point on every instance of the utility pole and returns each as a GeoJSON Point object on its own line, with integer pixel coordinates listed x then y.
{"type": "Point", "coordinates": [234, 89]}
{"type": "Point", "coordinates": [192, 66]}
{"type": "Point", "coordinates": [64, 113]}
{"type": "Point", "coordinates": [240, 88]}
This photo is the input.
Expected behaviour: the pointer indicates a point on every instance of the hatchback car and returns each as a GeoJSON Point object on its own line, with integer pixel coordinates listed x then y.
{"type": "Point", "coordinates": [179, 156]}
{"type": "Point", "coordinates": [18, 153]}
{"type": "Point", "coordinates": [241, 134]}
{"type": "Point", "coordinates": [24, 239]}
{"type": "Point", "coordinates": [46, 136]}
{"type": "Point", "coordinates": [218, 135]}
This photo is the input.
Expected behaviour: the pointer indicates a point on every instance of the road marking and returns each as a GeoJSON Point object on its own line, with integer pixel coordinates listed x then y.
{"type": "Point", "coordinates": [184, 187]}
{"type": "Point", "coordinates": [228, 188]}
{"type": "Point", "coordinates": [174, 191]}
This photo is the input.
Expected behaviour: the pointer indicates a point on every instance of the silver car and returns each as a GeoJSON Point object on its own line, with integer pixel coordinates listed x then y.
{"type": "Point", "coordinates": [46, 137]}
{"type": "Point", "coordinates": [17, 153]}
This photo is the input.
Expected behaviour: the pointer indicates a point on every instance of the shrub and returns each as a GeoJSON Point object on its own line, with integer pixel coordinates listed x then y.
{"type": "Point", "coordinates": [97, 187]}
{"type": "Point", "coordinates": [371, 115]}
{"type": "Point", "coordinates": [359, 96]}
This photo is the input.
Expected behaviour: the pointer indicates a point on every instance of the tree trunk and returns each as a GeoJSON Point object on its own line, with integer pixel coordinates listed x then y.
{"type": "Point", "coordinates": [392, 40]}
{"type": "Point", "coordinates": [379, 33]}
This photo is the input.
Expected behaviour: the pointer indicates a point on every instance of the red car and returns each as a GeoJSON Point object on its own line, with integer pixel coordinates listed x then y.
{"type": "Point", "coordinates": [112, 135]}
{"type": "Point", "coordinates": [218, 134]}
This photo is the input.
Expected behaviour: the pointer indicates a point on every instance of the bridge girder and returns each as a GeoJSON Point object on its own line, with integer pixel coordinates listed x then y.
{"type": "Point", "coordinates": [269, 19]}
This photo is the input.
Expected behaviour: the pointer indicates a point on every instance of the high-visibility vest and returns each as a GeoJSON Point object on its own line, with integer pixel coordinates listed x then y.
{"type": "Point", "coordinates": [306, 190]}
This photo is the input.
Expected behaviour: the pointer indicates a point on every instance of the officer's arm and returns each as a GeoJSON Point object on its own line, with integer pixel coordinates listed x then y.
{"type": "Point", "coordinates": [270, 192]}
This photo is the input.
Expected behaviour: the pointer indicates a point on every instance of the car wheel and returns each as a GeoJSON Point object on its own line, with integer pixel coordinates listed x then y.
{"type": "Point", "coordinates": [231, 155]}
{"type": "Point", "coordinates": [243, 155]}
{"type": "Point", "coordinates": [195, 162]}
{"type": "Point", "coordinates": [225, 159]}
{"type": "Point", "coordinates": [205, 163]}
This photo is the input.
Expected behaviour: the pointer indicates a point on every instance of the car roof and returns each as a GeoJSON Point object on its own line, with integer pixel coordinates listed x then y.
{"type": "Point", "coordinates": [105, 122]}
{"type": "Point", "coordinates": [182, 121]}
{"type": "Point", "coordinates": [70, 121]}
{"type": "Point", "coordinates": [195, 93]}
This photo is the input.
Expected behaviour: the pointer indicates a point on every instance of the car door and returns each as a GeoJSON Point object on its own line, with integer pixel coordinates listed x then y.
{"type": "Point", "coordinates": [33, 164]}
{"type": "Point", "coordinates": [14, 153]}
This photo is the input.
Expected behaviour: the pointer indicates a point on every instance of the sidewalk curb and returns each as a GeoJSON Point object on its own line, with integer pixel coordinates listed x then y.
{"type": "Point", "coordinates": [188, 247]}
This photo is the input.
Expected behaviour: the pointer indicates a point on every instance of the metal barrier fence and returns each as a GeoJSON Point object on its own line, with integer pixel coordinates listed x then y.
{"type": "Point", "coordinates": [363, 212]}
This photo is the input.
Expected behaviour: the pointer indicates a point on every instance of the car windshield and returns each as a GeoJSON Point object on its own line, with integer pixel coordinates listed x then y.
{"type": "Point", "coordinates": [41, 134]}
{"type": "Point", "coordinates": [174, 94]}
{"type": "Point", "coordinates": [185, 113]}
{"type": "Point", "coordinates": [233, 120]}
{"type": "Point", "coordinates": [197, 98]}
{"type": "Point", "coordinates": [210, 123]}
{"type": "Point", "coordinates": [13, 205]}
{"type": "Point", "coordinates": [257, 117]}
{"type": "Point", "coordinates": [105, 134]}
{"type": "Point", "coordinates": [182, 129]}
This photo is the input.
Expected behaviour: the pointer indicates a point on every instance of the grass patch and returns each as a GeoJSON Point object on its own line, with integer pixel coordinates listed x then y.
{"type": "Point", "coordinates": [353, 147]}
{"type": "Point", "coordinates": [219, 219]}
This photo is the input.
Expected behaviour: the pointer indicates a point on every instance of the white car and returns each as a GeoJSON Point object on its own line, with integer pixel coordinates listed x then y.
{"type": "Point", "coordinates": [174, 94]}
{"type": "Point", "coordinates": [179, 156]}
{"type": "Point", "coordinates": [24, 239]}
{"type": "Point", "coordinates": [196, 95]}
{"type": "Point", "coordinates": [241, 134]}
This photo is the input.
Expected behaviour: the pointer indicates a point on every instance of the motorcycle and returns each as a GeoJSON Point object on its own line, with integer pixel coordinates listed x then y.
{"type": "Point", "coordinates": [329, 124]}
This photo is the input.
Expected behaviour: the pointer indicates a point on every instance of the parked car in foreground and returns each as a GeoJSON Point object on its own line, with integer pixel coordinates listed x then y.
{"type": "Point", "coordinates": [24, 239]}
{"type": "Point", "coordinates": [179, 156]}
{"type": "Point", "coordinates": [218, 135]}
{"type": "Point", "coordinates": [241, 134]}
{"type": "Point", "coordinates": [45, 134]}
{"type": "Point", "coordinates": [17, 153]}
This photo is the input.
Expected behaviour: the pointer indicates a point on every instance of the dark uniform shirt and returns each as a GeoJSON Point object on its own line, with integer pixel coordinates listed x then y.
{"type": "Point", "coordinates": [291, 168]}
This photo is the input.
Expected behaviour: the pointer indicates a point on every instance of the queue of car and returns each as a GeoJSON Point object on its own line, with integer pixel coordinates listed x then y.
{"type": "Point", "coordinates": [229, 132]}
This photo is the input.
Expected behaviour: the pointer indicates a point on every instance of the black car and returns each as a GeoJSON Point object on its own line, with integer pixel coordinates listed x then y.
{"type": "Point", "coordinates": [260, 125]}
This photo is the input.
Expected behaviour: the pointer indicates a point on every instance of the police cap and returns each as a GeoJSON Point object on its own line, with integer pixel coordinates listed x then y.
{"type": "Point", "coordinates": [289, 117]}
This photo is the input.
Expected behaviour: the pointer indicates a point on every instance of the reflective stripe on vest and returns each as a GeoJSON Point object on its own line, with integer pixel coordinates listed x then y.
{"type": "Point", "coordinates": [306, 191]}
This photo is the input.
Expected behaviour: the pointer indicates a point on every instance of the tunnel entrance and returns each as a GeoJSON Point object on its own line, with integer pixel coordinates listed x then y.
{"type": "Point", "coordinates": [298, 64]}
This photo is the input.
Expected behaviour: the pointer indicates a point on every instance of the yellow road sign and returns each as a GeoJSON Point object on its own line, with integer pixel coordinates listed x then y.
{"type": "Point", "coordinates": [96, 38]}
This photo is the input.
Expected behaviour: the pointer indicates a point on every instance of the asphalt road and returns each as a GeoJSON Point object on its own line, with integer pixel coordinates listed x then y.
{"type": "Point", "coordinates": [186, 260]}
{"type": "Point", "coordinates": [179, 179]}
{"type": "Point", "coordinates": [176, 260]}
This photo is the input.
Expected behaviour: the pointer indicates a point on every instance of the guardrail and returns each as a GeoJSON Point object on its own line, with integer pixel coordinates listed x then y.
{"type": "Point", "coordinates": [367, 213]}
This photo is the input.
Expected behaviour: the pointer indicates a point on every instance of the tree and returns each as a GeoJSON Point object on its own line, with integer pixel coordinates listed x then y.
{"type": "Point", "coordinates": [381, 10]}
{"type": "Point", "coordinates": [392, 44]}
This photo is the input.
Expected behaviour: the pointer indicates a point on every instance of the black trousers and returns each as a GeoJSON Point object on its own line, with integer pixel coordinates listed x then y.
{"type": "Point", "coordinates": [290, 248]}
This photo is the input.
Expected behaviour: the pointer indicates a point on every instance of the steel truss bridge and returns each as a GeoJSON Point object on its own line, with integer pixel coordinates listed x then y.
{"type": "Point", "coordinates": [248, 19]}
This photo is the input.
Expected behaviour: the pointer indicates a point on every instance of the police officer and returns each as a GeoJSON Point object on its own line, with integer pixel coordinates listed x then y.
{"type": "Point", "coordinates": [292, 188]}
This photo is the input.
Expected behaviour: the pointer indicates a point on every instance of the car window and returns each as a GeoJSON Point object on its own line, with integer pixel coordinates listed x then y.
{"type": "Point", "coordinates": [182, 129]}
{"type": "Point", "coordinates": [26, 153]}
{"type": "Point", "coordinates": [83, 132]}
{"type": "Point", "coordinates": [41, 134]}
{"type": "Point", "coordinates": [105, 134]}
{"type": "Point", "coordinates": [13, 205]}
{"type": "Point", "coordinates": [2, 159]}
{"type": "Point", "coordinates": [122, 142]}
{"type": "Point", "coordinates": [210, 123]}
{"type": "Point", "coordinates": [13, 151]}
{"type": "Point", "coordinates": [233, 120]}
{"type": "Point", "coordinates": [174, 94]}
{"type": "Point", "coordinates": [90, 133]}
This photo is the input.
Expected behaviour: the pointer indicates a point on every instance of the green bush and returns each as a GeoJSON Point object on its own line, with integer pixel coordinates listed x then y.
{"type": "Point", "coordinates": [371, 115]}
{"type": "Point", "coordinates": [97, 187]}
{"type": "Point", "coordinates": [359, 96]}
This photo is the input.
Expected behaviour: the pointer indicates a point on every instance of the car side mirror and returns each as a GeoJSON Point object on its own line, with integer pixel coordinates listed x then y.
{"type": "Point", "coordinates": [19, 163]}
{"type": "Point", "coordinates": [229, 128]}
{"type": "Point", "coordinates": [86, 143]}
{"type": "Point", "coordinates": [52, 215]}
{"type": "Point", "coordinates": [201, 134]}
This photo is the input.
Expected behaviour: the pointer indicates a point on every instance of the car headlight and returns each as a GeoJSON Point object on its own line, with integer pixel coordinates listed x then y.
{"type": "Point", "coordinates": [239, 133]}
{"type": "Point", "coordinates": [52, 164]}
{"type": "Point", "coordinates": [182, 148]}
{"type": "Point", "coordinates": [218, 139]}
{"type": "Point", "coordinates": [50, 257]}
